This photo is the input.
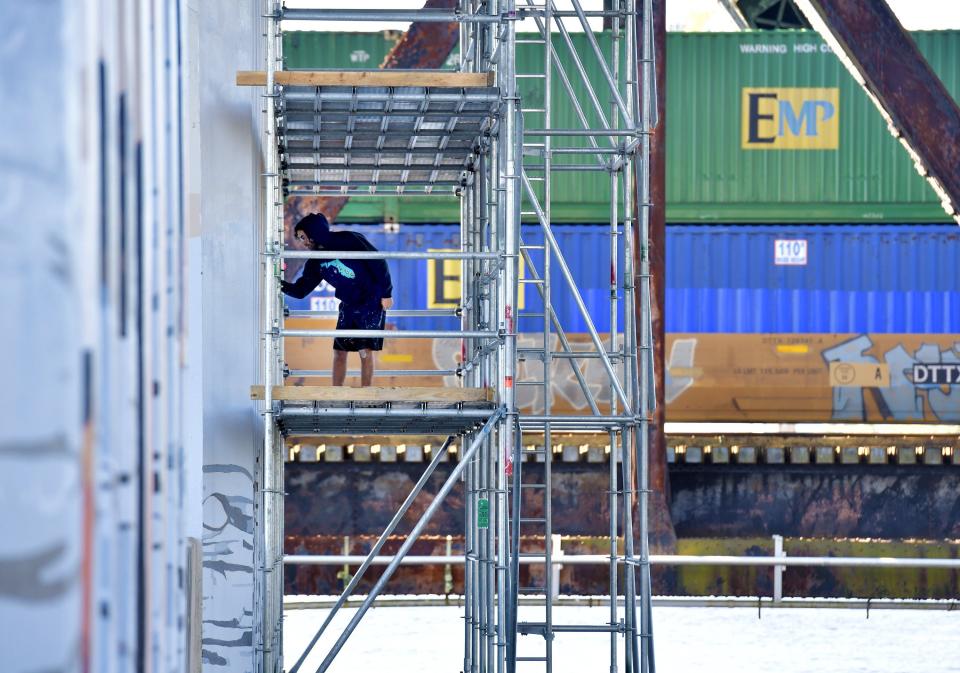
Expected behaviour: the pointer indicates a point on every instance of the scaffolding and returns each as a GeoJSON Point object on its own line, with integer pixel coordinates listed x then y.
{"type": "Point", "coordinates": [484, 134]}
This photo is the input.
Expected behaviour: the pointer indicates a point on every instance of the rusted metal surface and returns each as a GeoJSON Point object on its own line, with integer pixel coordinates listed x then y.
{"type": "Point", "coordinates": [875, 501]}
{"type": "Point", "coordinates": [360, 498]}
{"type": "Point", "coordinates": [863, 501]}
{"type": "Point", "coordinates": [884, 58]}
{"type": "Point", "coordinates": [424, 45]}
{"type": "Point", "coordinates": [663, 539]}
{"type": "Point", "coordinates": [327, 501]}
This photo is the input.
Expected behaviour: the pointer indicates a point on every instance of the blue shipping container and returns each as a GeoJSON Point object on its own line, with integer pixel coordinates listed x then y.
{"type": "Point", "coordinates": [421, 284]}
{"type": "Point", "coordinates": [882, 279]}
{"type": "Point", "coordinates": [900, 279]}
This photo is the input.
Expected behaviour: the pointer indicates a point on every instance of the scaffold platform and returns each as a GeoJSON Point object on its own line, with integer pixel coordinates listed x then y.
{"type": "Point", "coordinates": [369, 132]}
{"type": "Point", "coordinates": [378, 410]}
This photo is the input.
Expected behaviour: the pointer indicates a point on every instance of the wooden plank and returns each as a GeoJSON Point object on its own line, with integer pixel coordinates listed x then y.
{"type": "Point", "coordinates": [422, 78]}
{"type": "Point", "coordinates": [374, 394]}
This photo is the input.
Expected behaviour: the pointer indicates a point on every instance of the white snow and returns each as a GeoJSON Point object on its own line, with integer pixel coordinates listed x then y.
{"type": "Point", "coordinates": [707, 640]}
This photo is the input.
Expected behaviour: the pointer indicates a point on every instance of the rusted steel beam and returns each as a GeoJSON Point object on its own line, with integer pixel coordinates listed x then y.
{"type": "Point", "coordinates": [424, 45]}
{"type": "Point", "coordinates": [662, 537]}
{"type": "Point", "coordinates": [884, 59]}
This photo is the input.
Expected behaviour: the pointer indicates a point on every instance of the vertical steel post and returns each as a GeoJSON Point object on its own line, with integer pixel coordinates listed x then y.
{"type": "Point", "coordinates": [267, 538]}
{"type": "Point", "coordinates": [646, 353]}
{"type": "Point", "coordinates": [512, 149]}
{"type": "Point", "coordinates": [613, 346]}
{"type": "Point", "coordinates": [467, 205]}
{"type": "Point", "coordinates": [778, 570]}
{"type": "Point", "coordinates": [551, 587]}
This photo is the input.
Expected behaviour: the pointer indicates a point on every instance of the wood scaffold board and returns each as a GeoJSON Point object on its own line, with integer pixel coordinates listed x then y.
{"type": "Point", "coordinates": [380, 78]}
{"type": "Point", "coordinates": [375, 394]}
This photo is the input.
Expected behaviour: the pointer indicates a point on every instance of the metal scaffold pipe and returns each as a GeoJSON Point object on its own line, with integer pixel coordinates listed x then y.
{"type": "Point", "coordinates": [386, 373]}
{"type": "Point", "coordinates": [656, 559]}
{"type": "Point", "coordinates": [364, 96]}
{"type": "Point", "coordinates": [389, 334]}
{"type": "Point", "coordinates": [386, 414]}
{"type": "Point", "coordinates": [594, 336]}
{"type": "Point", "coordinates": [391, 313]}
{"type": "Point", "coordinates": [372, 556]}
{"type": "Point", "coordinates": [380, 15]}
{"type": "Point", "coordinates": [411, 538]}
{"type": "Point", "coordinates": [611, 81]}
{"type": "Point", "coordinates": [366, 254]}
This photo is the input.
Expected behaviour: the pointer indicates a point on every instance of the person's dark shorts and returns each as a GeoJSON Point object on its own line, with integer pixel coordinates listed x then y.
{"type": "Point", "coordinates": [367, 316]}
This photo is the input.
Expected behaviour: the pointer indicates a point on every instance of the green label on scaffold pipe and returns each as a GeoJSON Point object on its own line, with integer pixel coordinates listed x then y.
{"type": "Point", "coordinates": [483, 513]}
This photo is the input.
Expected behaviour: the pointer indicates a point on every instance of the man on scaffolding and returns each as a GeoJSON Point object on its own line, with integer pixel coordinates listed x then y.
{"type": "Point", "coordinates": [363, 287]}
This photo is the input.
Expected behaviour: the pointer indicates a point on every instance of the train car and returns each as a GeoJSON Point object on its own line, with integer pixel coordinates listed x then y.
{"type": "Point", "coordinates": [762, 126]}
{"type": "Point", "coordinates": [832, 323]}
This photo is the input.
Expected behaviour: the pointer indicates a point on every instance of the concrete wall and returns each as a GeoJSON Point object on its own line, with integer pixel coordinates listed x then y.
{"type": "Point", "coordinates": [223, 198]}
{"type": "Point", "coordinates": [127, 259]}
{"type": "Point", "coordinates": [91, 452]}
{"type": "Point", "coordinates": [42, 441]}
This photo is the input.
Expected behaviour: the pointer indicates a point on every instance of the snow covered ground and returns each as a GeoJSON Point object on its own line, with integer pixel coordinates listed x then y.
{"type": "Point", "coordinates": [702, 640]}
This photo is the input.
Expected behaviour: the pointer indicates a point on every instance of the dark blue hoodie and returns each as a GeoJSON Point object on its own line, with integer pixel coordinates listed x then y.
{"type": "Point", "coordinates": [357, 281]}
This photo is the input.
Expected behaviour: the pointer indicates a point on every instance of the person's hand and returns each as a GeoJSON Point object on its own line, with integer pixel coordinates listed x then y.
{"type": "Point", "coordinates": [386, 303]}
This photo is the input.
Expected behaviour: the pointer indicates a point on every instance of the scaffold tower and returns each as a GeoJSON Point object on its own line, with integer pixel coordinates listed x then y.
{"type": "Point", "coordinates": [486, 135]}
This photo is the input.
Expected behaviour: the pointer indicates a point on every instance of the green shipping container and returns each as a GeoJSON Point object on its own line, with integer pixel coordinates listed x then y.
{"type": "Point", "coordinates": [855, 171]}
{"type": "Point", "coordinates": [761, 127]}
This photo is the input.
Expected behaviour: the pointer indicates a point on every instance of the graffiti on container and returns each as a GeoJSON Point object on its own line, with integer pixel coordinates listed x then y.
{"type": "Point", "coordinates": [680, 373]}
{"type": "Point", "coordinates": [925, 379]}
{"type": "Point", "coordinates": [565, 388]}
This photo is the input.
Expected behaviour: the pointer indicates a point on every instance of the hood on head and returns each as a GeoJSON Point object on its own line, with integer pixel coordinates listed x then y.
{"type": "Point", "coordinates": [316, 227]}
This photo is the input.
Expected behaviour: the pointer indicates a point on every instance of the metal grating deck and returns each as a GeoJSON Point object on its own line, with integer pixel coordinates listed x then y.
{"type": "Point", "coordinates": [341, 140]}
{"type": "Point", "coordinates": [325, 418]}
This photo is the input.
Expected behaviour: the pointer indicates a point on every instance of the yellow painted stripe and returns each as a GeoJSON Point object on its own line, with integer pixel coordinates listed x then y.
{"type": "Point", "coordinates": [796, 349]}
{"type": "Point", "coordinates": [396, 357]}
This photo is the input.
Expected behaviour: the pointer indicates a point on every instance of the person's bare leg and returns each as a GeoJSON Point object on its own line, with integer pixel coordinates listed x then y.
{"type": "Point", "coordinates": [366, 367]}
{"type": "Point", "coordinates": [339, 367]}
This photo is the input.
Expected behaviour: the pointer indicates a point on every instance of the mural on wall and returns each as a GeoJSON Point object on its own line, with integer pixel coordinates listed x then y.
{"type": "Point", "coordinates": [227, 560]}
{"type": "Point", "coordinates": [875, 378]}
